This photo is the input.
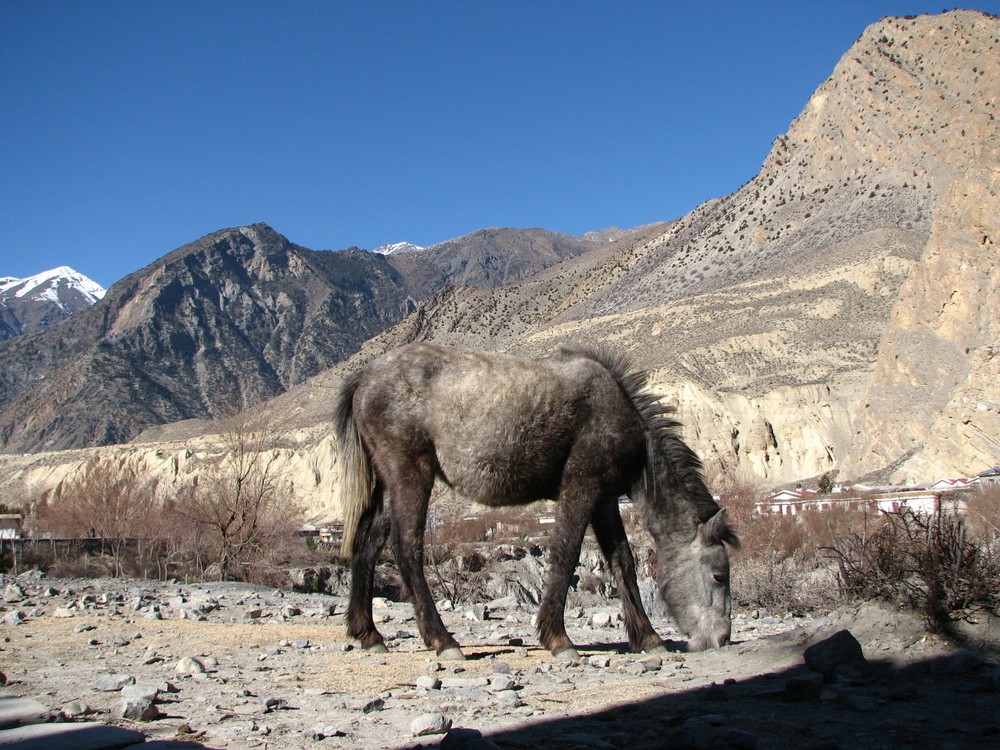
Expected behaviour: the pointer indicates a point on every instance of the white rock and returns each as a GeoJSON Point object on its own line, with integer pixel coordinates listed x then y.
{"type": "Point", "coordinates": [429, 724]}
{"type": "Point", "coordinates": [189, 665]}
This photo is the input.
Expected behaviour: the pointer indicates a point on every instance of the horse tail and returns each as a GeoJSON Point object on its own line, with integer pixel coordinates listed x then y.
{"type": "Point", "coordinates": [357, 480]}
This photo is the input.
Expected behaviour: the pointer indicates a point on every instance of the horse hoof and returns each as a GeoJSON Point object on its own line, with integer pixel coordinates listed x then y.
{"type": "Point", "coordinates": [566, 654]}
{"type": "Point", "coordinates": [661, 649]}
{"type": "Point", "coordinates": [452, 654]}
{"type": "Point", "coordinates": [377, 648]}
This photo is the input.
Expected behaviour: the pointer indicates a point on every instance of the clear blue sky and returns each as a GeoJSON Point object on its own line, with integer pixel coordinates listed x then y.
{"type": "Point", "coordinates": [130, 128]}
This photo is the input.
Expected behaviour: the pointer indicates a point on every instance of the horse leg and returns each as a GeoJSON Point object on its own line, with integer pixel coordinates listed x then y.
{"type": "Point", "coordinates": [409, 493]}
{"type": "Point", "coordinates": [369, 539]}
{"type": "Point", "coordinates": [571, 525]}
{"type": "Point", "coordinates": [606, 521]}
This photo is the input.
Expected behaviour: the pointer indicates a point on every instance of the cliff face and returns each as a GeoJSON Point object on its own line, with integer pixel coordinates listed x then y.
{"type": "Point", "coordinates": [835, 313]}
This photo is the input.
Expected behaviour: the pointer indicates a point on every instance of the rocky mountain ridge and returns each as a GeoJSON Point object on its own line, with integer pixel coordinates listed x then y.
{"type": "Point", "coordinates": [226, 322]}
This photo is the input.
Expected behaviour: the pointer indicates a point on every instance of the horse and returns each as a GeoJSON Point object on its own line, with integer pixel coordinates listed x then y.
{"type": "Point", "coordinates": [577, 427]}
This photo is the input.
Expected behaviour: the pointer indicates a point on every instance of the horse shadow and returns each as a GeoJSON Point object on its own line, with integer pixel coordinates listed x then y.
{"type": "Point", "coordinates": [947, 701]}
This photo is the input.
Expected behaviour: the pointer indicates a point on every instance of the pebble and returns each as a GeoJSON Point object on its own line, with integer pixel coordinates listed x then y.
{"type": "Point", "coordinates": [428, 682]}
{"type": "Point", "coordinates": [109, 683]}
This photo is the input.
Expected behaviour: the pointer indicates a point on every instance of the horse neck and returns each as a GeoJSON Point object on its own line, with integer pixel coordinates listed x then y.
{"type": "Point", "coordinates": [675, 499]}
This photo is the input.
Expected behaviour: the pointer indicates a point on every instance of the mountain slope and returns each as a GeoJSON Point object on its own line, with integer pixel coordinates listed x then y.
{"type": "Point", "coordinates": [780, 316]}
{"type": "Point", "coordinates": [226, 322]}
{"type": "Point", "coordinates": [218, 324]}
{"type": "Point", "coordinates": [486, 258]}
{"type": "Point", "coordinates": [37, 302]}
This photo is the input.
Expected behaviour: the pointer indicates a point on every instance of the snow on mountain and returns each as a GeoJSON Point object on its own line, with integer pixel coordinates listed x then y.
{"type": "Point", "coordinates": [51, 285]}
{"type": "Point", "coordinates": [398, 248]}
{"type": "Point", "coordinates": [31, 304]}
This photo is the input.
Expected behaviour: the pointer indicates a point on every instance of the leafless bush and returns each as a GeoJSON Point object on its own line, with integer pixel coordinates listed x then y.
{"type": "Point", "coordinates": [931, 562]}
{"type": "Point", "coordinates": [778, 565]}
{"type": "Point", "coordinates": [244, 505]}
{"type": "Point", "coordinates": [109, 503]}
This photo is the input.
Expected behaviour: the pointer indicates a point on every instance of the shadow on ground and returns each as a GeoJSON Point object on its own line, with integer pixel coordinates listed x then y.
{"type": "Point", "coordinates": [944, 702]}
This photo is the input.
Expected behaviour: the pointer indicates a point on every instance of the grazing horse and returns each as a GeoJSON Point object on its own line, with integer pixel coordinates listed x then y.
{"type": "Point", "coordinates": [577, 428]}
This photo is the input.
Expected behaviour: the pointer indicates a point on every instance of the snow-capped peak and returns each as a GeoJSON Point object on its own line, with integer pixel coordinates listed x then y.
{"type": "Point", "coordinates": [51, 285]}
{"type": "Point", "coordinates": [398, 248]}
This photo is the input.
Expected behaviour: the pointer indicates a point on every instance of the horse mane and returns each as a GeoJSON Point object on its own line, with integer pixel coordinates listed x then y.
{"type": "Point", "coordinates": [661, 428]}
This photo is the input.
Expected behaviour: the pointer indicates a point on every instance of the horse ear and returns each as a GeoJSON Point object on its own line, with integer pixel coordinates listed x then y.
{"type": "Point", "coordinates": [717, 530]}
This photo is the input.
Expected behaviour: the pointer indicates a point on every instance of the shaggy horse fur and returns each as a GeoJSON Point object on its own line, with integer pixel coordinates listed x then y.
{"type": "Point", "coordinates": [577, 427]}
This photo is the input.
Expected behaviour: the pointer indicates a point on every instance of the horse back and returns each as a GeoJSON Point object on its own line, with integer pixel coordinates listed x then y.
{"type": "Point", "coordinates": [500, 429]}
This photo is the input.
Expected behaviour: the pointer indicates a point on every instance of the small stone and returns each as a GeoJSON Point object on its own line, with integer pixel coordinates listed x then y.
{"type": "Point", "coordinates": [840, 649]}
{"type": "Point", "coordinates": [467, 739]}
{"type": "Point", "coordinates": [140, 692]}
{"type": "Point", "coordinates": [601, 620]}
{"type": "Point", "coordinates": [599, 661]}
{"type": "Point", "coordinates": [189, 665]}
{"type": "Point", "coordinates": [509, 698]}
{"type": "Point", "coordinates": [14, 617]}
{"type": "Point", "coordinates": [83, 627]}
{"type": "Point", "coordinates": [253, 613]}
{"type": "Point", "coordinates": [152, 612]}
{"type": "Point", "coordinates": [13, 593]}
{"type": "Point", "coordinates": [430, 723]}
{"type": "Point", "coordinates": [478, 612]}
{"type": "Point", "coordinates": [376, 704]}
{"type": "Point", "coordinates": [109, 683]}
{"type": "Point", "coordinates": [501, 667]}
{"type": "Point", "coordinates": [428, 682]}
{"type": "Point", "coordinates": [63, 612]}
{"type": "Point", "coordinates": [464, 682]}
{"type": "Point", "coordinates": [75, 709]}
{"type": "Point", "coordinates": [138, 709]}
{"type": "Point", "coordinates": [273, 704]}
{"type": "Point", "coordinates": [502, 682]}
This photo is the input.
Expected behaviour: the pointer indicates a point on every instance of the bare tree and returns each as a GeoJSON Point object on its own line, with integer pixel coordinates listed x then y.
{"type": "Point", "coordinates": [244, 502]}
{"type": "Point", "coordinates": [109, 503]}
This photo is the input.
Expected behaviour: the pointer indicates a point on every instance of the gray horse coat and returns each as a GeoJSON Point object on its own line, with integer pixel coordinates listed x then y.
{"type": "Point", "coordinates": [502, 430]}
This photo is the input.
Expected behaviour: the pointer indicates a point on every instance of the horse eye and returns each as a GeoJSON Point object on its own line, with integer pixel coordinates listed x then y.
{"type": "Point", "coordinates": [719, 577]}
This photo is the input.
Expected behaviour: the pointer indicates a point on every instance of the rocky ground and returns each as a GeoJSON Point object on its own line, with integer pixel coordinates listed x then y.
{"type": "Point", "coordinates": [228, 665]}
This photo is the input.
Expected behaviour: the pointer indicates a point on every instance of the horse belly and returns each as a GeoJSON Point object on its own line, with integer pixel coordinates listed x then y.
{"type": "Point", "coordinates": [498, 472]}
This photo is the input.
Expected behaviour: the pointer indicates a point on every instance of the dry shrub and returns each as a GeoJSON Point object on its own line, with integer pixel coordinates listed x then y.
{"type": "Point", "coordinates": [779, 566]}
{"type": "Point", "coordinates": [983, 514]}
{"type": "Point", "coordinates": [941, 564]}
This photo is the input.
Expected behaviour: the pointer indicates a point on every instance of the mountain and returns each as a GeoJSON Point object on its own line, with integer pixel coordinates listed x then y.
{"type": "Point", "coordinates": [218, 324]}
{"type": "Point", "coordinates": [223, 323]}
{"type": "Point", "coordinates": [397, 248]}
{"type": "Point", "coordinates": [37, 302]}
{"type": "Point", "coordinates": [486, 258]}
{"type": "Point", "coordinates": [838, 313]}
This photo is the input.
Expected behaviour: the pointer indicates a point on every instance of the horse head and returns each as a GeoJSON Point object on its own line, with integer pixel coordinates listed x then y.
{"type": "Point", "coordinates": [694, 583]}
